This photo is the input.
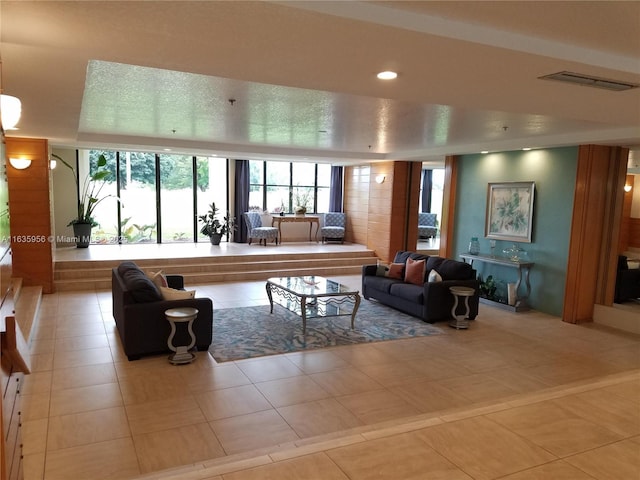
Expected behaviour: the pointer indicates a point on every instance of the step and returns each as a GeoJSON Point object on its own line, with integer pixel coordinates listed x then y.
{"type": "Point", "coordinates": [96, 274]}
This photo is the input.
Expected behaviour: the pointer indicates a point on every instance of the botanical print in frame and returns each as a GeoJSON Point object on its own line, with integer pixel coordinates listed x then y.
{"type": "Point", "coordinates": [510, 211]}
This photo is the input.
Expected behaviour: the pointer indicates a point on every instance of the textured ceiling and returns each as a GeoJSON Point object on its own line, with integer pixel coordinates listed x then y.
{"type": "Point", "coordinates": [155, 75]}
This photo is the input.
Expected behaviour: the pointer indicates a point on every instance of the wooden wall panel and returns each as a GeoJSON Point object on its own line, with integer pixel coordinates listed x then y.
{"type": "Point", "coordinates": [30, 206]}
{"type": "Point", "coordinates": [595, 230]}
{"type": "Point", "coordinates": [356, 203]}
{"type": "Point", "coordinates": [634, 233]}
{"type": "Point", "coordinates": [448, 206]}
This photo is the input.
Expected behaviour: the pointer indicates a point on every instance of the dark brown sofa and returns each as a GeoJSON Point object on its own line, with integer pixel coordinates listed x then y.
{"type": "Point", "coordinates": [138, 309]}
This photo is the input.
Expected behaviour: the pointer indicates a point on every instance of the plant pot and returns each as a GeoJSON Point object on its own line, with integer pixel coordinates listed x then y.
{"type": "Point", "coordinates": [82, 233]}
{"type": "Point", "coordinates": [215, 238]}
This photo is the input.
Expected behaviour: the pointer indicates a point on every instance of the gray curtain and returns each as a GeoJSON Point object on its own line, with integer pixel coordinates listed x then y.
{"type": "Point", "coordinates": [335, 191]}
{"type": "Point", "coordinates": [427, 186]}
{"type": "Point", "coordinates": [241, 199]}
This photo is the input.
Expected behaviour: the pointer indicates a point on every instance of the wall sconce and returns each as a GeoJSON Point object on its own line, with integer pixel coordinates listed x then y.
{"type": "Point", "coordinates": [380, 178]}
{"type": "Point", "coordinates": [20, 163]}
{"type": "Point", "coordinates": [53, 163]}
{"type": "Point", "coordinates": [627, 188]}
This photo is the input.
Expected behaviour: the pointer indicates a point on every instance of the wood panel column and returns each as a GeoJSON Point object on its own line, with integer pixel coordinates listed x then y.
{"type": "Point", "coordinates": [30, 217]}
{"type": "Point", "coordinates": [593, 248]}
{"type": "Point", "coordinates": [448, 206]}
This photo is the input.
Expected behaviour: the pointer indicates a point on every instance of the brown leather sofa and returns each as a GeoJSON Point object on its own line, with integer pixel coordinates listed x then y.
{"type": "Point", "coordinates": [138, 309]}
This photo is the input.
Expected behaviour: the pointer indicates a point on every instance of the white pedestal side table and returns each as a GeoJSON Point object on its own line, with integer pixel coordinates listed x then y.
{"type": "Point", "coordinates": [182, 354]}
{"type": "Point", "coordinates": [460, 321]}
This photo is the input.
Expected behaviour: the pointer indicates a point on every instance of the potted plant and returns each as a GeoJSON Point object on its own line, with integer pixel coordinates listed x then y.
{"type": "Point", "coordinates": [214, 228]}
{"type": "Point", "coordinates": [301, 200]}
{"type": "Point", "coordinates": [89, 196]}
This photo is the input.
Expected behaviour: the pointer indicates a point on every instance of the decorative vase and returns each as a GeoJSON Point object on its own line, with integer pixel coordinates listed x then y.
{"type": "Point", "coordinates": [215, 238]}
{"type": "Point", "coordinates": [82, 234]}
{"type": "Point", "coordinates": [300, 210]}
{"type": "Point", "coordinates": [474, 246]}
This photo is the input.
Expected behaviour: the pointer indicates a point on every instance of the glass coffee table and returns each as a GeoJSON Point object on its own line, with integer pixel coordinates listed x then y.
{"type": "Point", "coordinates": [312, 297]}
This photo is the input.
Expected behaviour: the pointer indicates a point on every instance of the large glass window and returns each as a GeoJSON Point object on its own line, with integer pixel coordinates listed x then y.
{"type": "Point", "coordinates": [176, 198]}
{"type": "Point", "coordinates": [137, 179]}
{"type": "Point", "coordinates": [212, 175]}
{"type": "Point", "coordinates": [137, 207]}
{"type": "Point", "coordinates": [283, 186]}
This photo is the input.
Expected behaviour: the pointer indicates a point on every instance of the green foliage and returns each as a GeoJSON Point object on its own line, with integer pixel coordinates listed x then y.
{"type": "Point", "coordinates": [488, 287]}
{"type": "Point", "coordinates": [136, 233]}
{"type": "Point", "coordinates": [213, 226]}
{"type": "Point", "coordinates": [89, 190]}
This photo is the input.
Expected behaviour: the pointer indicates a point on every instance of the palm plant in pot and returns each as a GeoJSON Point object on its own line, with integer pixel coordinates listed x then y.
{"type": "Point", "coordinates": [89, 196]}
{"type": "Point", "coordinates": [214, 228]}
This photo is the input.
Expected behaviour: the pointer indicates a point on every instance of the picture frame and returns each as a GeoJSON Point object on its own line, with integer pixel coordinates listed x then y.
{"type": "Point", "coordinates": [509, 214]}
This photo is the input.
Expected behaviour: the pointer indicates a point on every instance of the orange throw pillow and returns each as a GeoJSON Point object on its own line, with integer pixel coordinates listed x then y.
{"type": "Point", "coordinates": [414, 271]}
{"type": "Point", "coordinates": [395, 270]}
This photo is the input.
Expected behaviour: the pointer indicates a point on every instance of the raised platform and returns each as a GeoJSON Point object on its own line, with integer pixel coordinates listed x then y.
{"type": "Point", "coordinates": [90, 268]}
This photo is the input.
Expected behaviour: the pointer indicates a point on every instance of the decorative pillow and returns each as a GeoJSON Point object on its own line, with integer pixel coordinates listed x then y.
{"type": "Point", "coordinates": [159, 279]}
{"type": "Point", "coordinates": [173, 294]}
{"type": "Point", "coordinates": [434, 277]}
{"type": "Point", "coordinates": [414, 271]}
{"type": "Point", "coordinates": [396, 270]}
{"type": "Point", "coordinates": [382, 269]}
{"type": "Point", "coordinates": [142, 289]}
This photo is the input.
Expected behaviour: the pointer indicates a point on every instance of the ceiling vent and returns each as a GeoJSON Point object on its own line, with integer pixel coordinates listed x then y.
{"type": "Point", "coordinates": [589, 81]}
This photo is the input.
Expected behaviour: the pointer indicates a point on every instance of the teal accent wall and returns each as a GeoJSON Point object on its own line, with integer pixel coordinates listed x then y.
{"type": "Point", "coordinates": [554, 173]}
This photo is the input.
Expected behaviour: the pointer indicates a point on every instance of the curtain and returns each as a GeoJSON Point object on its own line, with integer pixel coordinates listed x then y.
{"type": "Point", "coordinates": [241, 199]}
{"type": "Point", "coordinates": [335, 190]}
{"type": "Point", "coordinates": [427, 185]}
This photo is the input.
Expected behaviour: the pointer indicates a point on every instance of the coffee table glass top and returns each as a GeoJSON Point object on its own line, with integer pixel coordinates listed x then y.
{"type": "Point", "coordinates": [311, 285]}
{"type": "Point", "coordinates": [313, 296]}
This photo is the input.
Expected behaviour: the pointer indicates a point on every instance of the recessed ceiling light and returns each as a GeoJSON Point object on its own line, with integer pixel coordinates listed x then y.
{"type": "Point", "coordinates": [484, 152]}
{"type": "Point", "coordinates": [166, 149]}
{"type": "Point", "coordinates": [526, 149]}
{"type": "Point", "coordinates": [387, 75]}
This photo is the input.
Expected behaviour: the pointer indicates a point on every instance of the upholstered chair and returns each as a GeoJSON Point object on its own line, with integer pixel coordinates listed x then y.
{"type": "Point", "coordinates": [427, 225]}
{"type": "Point", "coordinates": [255, 229]}
{"type": "Point", "coordinates": [334, 226]}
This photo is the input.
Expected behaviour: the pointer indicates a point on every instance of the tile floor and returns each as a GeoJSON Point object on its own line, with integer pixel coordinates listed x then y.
{"type": "Point", "coordinates": [517, 396]}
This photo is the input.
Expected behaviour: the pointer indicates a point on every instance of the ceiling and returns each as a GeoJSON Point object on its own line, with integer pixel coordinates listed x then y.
{"type": "Point", "coordinates": [297, 79]}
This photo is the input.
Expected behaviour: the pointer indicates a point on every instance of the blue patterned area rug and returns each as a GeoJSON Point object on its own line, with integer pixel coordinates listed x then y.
{"type": "Point", "coordinates": [253, 332]}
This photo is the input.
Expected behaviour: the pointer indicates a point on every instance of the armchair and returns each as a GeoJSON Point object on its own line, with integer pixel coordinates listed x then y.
{"type": "Point", "coordinates": [427, 225]}
{"type": "Point", "coordinates": [253, 220]}
{"type": "Point", "coordinates": [334, 226]}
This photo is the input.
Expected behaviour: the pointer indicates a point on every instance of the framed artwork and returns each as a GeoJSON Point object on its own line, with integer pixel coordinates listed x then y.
{"type": "Point", "coordinates": [510, 211]}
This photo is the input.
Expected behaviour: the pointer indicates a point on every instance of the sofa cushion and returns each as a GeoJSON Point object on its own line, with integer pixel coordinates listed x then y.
{"type": "Point", "coordinates": [401, 256]}
{"type": "Point", "coordinates": [434, 277]}
{"type": "Point", "coordinates": [125, 267]}
{"type": "Point", "coordinates": [175, 294]}
{"type": "Point", "coordinates": [159, 279]}
{"type": "Point", "coordinates": [396, 270]}
{"type": "Point", "coordinates": [414, 271]}
{"type": "Point", "coordinates": [408, 291]}
{"type": "Point", "coordinates": [450, 269]}
{"type": "Point", "coordinates": [140, 286]}
{"type": "Point", "coordinates": [382, 284]}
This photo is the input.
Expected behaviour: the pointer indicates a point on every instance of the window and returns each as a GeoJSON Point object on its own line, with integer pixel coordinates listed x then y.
{"type": "Point", "coordinates": [160, 195]}
{"type": "Point", "coordinates": [283, 186]}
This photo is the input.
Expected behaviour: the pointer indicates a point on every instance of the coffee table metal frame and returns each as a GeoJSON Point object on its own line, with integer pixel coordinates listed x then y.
{"type": "Point", "coordinates": [312, 297]}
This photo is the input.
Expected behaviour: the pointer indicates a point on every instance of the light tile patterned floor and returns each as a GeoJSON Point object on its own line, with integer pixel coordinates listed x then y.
{"type": "Point", "coordinates": [517, 396]}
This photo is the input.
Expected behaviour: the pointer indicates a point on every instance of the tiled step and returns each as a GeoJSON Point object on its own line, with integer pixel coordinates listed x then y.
{"type": "Point", "coordinates": [83, 275]}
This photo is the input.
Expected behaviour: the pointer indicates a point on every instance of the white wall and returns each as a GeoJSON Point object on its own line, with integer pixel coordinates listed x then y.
{"type": "Point", "coordinates": [65, 199]}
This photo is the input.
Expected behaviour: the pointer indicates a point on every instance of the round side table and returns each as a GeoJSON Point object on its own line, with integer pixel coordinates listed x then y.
{"type": "Point", "coordinates": [182, 354]}
{"type": "Point", "coordinates": [460, 321]}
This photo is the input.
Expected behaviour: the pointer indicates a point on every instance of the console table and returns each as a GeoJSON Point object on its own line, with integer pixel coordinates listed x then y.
{"type": "Point", "coordinates": [523, 272]}
{"type": "Point", "coordinates": [310, 219]}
